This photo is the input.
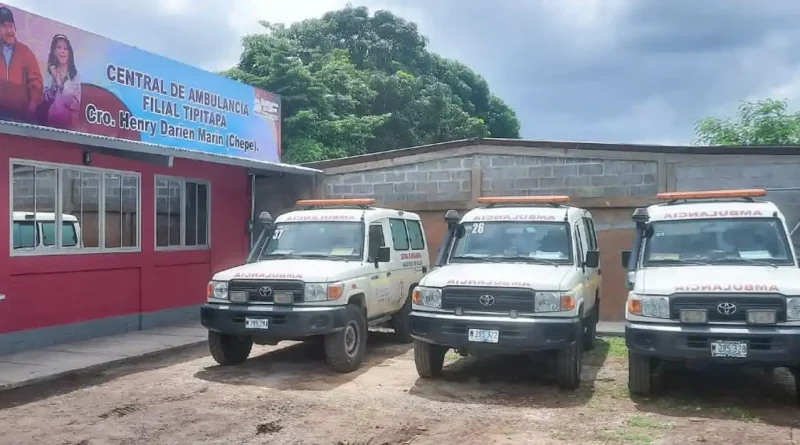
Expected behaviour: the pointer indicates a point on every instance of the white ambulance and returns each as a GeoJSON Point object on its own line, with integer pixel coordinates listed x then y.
{"type": "Point", "coordinates": [518, 275]}
{"type": "Point", "coordinates": [713, 279]}
{"type": "Point", "coordinates": [325, 272]}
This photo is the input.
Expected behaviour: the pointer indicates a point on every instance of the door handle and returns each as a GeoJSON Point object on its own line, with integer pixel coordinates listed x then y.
{"type": "Point", "coordinates": [374, 277]}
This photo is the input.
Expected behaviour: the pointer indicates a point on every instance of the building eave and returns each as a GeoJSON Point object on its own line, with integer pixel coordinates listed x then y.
{"type": "Point", "coordinates": [122, 145]}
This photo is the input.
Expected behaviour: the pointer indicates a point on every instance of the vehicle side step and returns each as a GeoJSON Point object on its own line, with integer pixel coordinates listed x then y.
{"type": "Point", "coordinates": [380, 320]}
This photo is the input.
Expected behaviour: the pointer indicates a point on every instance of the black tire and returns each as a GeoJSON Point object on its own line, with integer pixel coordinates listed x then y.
{"type": "Point", "coordinates": [429, 359]}
{"type": "Point", "coordinates": [229, 350]}
{"type": "Point", "coordinates": [640, 374]}
{"type": "Point", "coordinates": [344, 350]}
{"type": "Point", "coordinates": [590, 327]}
{"type": "Point", "coordinates": [401, 322]}
{"type": "Point", "coordinates": [796, 375]}
{"type": "Point", "coordinates": [569, 363]}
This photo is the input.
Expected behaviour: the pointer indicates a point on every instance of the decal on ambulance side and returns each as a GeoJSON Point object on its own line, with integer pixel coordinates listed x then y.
{"type": "Point", "coordinates": [727, 288]}
{"type": "Point", "coordinates": [714, 214]}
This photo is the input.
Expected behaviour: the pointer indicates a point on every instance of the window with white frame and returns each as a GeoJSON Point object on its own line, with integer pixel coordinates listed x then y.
{"type": "Point", "coordinates": [182, 213]}
{"type": "Point", "coordinates": [58, 209]}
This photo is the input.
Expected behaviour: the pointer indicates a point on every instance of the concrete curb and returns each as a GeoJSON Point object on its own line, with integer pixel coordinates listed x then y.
{"type": "Point", "coordinates": [610, 334]}
{"type": "Point", "coordinates": [59, 375]}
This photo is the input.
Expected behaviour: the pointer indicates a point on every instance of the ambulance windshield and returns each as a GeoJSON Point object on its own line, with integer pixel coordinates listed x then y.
{"type": "Point", "coordinates": [717, 241]}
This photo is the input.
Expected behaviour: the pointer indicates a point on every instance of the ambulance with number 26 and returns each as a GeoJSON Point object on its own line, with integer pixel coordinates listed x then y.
{"type": "Point", "coordinates": [518, 275]}
{"type": "Point", "coordinates": [712, 278]}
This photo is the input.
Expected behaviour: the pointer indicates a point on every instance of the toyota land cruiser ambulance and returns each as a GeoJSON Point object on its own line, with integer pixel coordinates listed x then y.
{"type": "Point", "coordinates": [517, 275]}
{"type": "Point", "coordinates": [712, 278]}
{"type": "Point", "coordinates": [327, 271]}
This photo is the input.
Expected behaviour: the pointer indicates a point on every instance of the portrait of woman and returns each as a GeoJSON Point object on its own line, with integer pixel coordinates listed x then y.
{"type": "Point", "coordinates": [62, 95]}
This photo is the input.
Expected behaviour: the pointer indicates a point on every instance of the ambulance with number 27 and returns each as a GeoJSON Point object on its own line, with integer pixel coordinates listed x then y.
{"type": "Point", "coordinates": [323, 273]}
{"type": "Point", "coordinates": [712, 278]}
{"type": "Point", "coordinates": [519, 274]}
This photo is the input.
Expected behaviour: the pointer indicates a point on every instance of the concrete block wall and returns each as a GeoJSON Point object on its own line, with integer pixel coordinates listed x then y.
{"type": "Point", "coordinates": [450, 179]}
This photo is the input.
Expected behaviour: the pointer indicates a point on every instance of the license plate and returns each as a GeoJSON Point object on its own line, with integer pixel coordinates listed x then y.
{"type": "Point", "coordinates": [483, 336]}
{"type": "Point", "coordinates": [256, 323]}
{"type": "Point", "coordinates": [733, 349]}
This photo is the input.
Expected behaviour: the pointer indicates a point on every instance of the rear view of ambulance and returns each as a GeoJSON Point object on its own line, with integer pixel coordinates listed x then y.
{"type": "Point", "coordinates": [518, 275]}
{"type": "Point", "coordinates": [713, 279]}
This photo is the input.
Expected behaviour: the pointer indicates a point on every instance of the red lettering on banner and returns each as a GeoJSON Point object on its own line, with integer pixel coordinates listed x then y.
{"type": "Point", "coordinates": [727, 288]}
{"type": "Point", "coordinates": [518, 217]}
{"type": "Point", "coordinates": [291, 276]}
{"type": "Point", "coordinates": [488, 283]}
{"type": "Point", "coordinates": [321, 218]}
{"type": "Point", "coordinates": [410, 256]}
{"type": "Point", "coordinates": [714, 214]}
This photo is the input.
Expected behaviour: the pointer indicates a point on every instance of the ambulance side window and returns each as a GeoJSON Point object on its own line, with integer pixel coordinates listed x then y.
{"type": "Point", "coordinates": [376, 240]}
{"type": "Point", "coordinates": [579, 254]}
{"type": "Point", "coordinates": [591, 236]}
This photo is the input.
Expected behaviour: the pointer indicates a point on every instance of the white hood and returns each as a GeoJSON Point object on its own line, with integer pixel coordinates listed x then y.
{"type": "Point", "coordinates": [312, 271]}
{"type": "Point", "coordinates": [534, 276]}
{"type": "Point", "coordinates": [719, 279]}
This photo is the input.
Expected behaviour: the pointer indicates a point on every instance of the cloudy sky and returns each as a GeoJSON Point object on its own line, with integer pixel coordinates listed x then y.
{"type": "Point", "coordinates": [640, 71]}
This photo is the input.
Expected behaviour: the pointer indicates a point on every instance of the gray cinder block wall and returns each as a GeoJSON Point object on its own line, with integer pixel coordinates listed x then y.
{"type": "Point", "coordinates": [462, 170]}
{"type": "Point", "coordinates": [450, 179]}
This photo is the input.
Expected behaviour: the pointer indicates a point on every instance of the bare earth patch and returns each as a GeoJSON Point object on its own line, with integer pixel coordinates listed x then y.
{"type": "Point", "coordinates": [287, 396]}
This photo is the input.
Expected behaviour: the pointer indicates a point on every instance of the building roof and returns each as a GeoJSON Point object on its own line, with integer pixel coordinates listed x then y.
{"type": "Point", "coordinates": [54, 134]}
{"type": "Point", "coordinates": [566, 145]}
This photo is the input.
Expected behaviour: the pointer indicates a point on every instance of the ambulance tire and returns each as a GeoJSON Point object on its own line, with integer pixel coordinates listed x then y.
{"type": "Point", "coordinates": [344, 350]}
{"type": "Point", "coordinates": [229, 350]}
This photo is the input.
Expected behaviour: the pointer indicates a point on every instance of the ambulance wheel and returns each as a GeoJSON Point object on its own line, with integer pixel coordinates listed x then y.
{"type": "Point", "coordinates": [401, 322]}
{"type": "Point", "coordinates": [590, 327]}
{"type": "Point", "coordinates": [228, 349]}
{"type": "Point", "coordinates": [429, 359]}
{"type": "Point", "coordinates": [640, 374]}
{"type": "Point", "coordinates": [344, 350]}
{"type": "Point", "coordinates": [569, 362]}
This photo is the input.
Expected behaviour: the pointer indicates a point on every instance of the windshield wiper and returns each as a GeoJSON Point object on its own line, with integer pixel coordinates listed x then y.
{"type": "Point", "coordinates": [530, 259]}
{"type": "Point", "coordinates": [290, 256]}
{"type": "Point", "coordinates": [736, 259]}
{"type": "Point", "coordinates": [477, 258]}
{"type": "Point", "coordinates": [323, 255]}
{"type": "Point", "coordinates": [676, 262]}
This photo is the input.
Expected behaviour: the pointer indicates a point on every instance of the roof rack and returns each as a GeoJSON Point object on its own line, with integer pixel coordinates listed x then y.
{"type": "Point", "coordinates": [718, 195]}
{"type": "Point", "coordinates": [554, 201]}
{"type": "Point", "coordinates": [361, 203]}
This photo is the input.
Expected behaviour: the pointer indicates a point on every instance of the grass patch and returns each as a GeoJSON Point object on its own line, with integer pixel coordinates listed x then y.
{"type": "Point", "coordinates": [451, 356]}
{"type": "Point", "coordinates": [616, 347]}
{"type": "Point", "coordinates": [739, 413]}
{"type": "Point", "coordinates": [637, 430]}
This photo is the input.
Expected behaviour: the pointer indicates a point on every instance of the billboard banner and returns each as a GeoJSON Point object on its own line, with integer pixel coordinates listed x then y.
{"type": "Point", "coordinates": [58, 76]}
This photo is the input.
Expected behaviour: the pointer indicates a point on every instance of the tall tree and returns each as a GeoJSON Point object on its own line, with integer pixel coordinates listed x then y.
{"type": "Point", "coordinates": [355, 83]}
{"type": "Point", "coordinates": [765, 122]}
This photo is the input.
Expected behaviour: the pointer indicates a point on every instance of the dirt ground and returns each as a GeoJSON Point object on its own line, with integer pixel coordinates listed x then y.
{"type": "Point", "coordinates": [285, 396]}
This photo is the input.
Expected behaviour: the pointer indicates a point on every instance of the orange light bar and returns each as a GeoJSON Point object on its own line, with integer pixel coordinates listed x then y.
{"type": "Point", "coordinates": [523, 199]}
{"type": "Point", "coordinates": [744, 193]}
{"type": "Point", "coordinates": [336, 202]}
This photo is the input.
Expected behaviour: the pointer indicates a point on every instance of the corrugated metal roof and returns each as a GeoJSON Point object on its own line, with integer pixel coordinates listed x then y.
{"type": "Point", "coordinates": [73, 137]}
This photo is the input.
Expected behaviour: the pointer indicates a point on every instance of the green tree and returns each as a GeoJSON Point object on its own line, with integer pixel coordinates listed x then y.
{"type": "Point", "coordinates": [352, 83]}
{"type": "Point", "coordinates": [765, 122]}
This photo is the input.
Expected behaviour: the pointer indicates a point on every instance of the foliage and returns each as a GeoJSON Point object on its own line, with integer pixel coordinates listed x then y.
{"type": "Point", "coordinates": [766, 122]}
{"type": "Point", "coordinates": [352, 83]}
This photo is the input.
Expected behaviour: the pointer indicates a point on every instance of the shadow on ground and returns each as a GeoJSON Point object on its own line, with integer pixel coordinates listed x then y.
{"type": "Point", "coordinates": [725, 392]}
{"type": "Point", "coordinates": [511, 381]}
{"type": "Point", "coordinates": [302, 367]}
{"type": "Point", "coordinates": [98, 376]}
